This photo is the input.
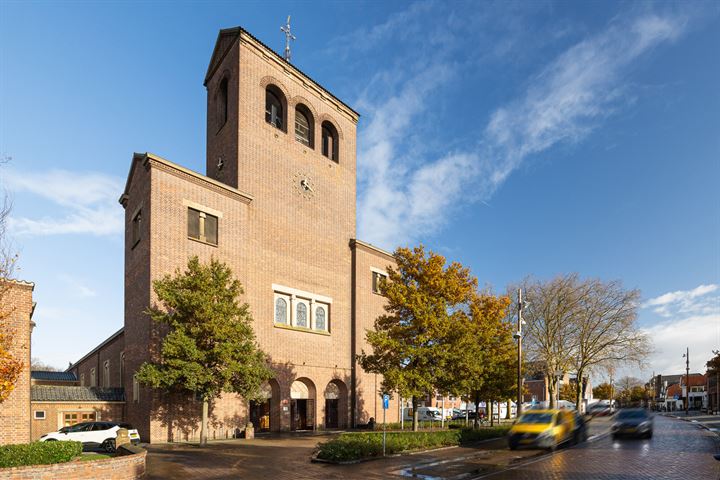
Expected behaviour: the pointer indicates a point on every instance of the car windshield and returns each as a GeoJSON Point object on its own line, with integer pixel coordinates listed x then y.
{"type": "Point", "coordinates": [536, 418]}
{"type": "Point", "coordinates": [78, 427]}
{"type": "Point", "coordinates": [627, 414]}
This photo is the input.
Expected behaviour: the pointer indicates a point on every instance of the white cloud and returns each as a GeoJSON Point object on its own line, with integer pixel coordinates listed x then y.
{"type": "Point", "coordinates": [684, 302]}
{"type": "Point", "coordinates": [402, 24]}
{"type": "Point", "coordinates": [400, 202]}
{"type": "Point", "coordinates": [87, 200]}
{"type": "Point", "coordinates": [699, 333]}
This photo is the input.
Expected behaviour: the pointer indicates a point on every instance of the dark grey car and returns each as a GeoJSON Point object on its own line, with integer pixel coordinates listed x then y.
{"type": "Point", "coordinates": [633, 422]}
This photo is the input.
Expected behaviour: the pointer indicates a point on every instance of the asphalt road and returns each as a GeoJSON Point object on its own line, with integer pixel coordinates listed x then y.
{"type": "Point", "coordinates": [678, 450]}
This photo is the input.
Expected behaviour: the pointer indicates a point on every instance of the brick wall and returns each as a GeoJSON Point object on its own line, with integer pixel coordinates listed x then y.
{"type": "Point", "coordinates": [54, 414]}
{"type": "Point", "coordinates": [118, 468]}
{"type": "Point", "coordinates": [109, 351]}
{"type": "Point", "coordinates": [369, 306]}
{"type": "Point", "coordinates": [17, 307]}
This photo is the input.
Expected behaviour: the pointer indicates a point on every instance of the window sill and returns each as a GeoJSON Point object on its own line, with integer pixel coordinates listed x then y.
{"type": "Point", "coordinates": [203, 242]}
{"type": "Point", "coordinates": [274, 128]}
{"type": "Point", "coordinates": [301, 329]}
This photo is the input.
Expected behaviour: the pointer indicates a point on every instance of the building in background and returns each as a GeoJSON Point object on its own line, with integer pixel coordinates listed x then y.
{"type": "Point", "coordinates": [670, 391]}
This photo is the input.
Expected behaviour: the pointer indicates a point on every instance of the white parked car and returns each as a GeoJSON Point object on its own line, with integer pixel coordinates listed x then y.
{"type": "Point", "coordinates": [93, 434]}
{"type": "Point", "coordinates": [424, 414]}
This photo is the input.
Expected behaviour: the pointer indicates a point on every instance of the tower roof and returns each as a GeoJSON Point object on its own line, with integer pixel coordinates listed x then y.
{"type": "Point", "coordinates": [227, 38]}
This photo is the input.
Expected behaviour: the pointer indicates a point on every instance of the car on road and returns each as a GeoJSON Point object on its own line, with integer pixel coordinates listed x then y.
{"type": "Point", "coordinates": [546, 429]}
{"type": "Point", "coordinates": [93, 434]}
{"type": "Point", "coordinates": [599, 409]}
{"type": "Point", "coordinates": [460, 414]}
{"type": "Point", "coordinates": [632, 422]}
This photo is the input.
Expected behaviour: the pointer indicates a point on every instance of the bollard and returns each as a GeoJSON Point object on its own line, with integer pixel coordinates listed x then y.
{"type": "Point", "coordinates": [122, 437]}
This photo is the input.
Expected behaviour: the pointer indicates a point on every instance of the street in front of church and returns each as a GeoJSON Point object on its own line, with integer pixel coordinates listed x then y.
{"type": "Point", "coordinates": [678, 450]}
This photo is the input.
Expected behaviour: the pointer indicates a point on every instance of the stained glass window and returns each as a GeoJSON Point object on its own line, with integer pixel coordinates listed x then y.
{"type": "Point", "coordinates": [280, 311]}
{"type": "Point", "coordinates": [301, 319]}
{"type": "Point", "coordinates": [320, 318]}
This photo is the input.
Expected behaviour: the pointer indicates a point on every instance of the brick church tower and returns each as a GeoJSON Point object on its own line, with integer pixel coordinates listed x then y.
{"type": "Point", "coordinates": [277, 205]}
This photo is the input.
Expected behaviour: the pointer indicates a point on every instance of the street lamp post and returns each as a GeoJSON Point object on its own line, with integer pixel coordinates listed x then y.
{"type": "Point", "coordinates": [717, 385]}
{"type": "Point", "coordinates": [518, 336]}
{"type": "Point", "coordinates": [687, 379]}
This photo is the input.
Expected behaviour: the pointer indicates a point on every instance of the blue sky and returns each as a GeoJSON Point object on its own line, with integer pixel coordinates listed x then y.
{"type": "Point", "coordinates": [528, 138]}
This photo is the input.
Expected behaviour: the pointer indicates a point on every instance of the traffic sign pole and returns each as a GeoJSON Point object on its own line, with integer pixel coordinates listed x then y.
{"type": "Point", "coordinates": [386, 404]}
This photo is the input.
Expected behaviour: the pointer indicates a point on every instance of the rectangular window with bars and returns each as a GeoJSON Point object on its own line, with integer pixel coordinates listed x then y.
{"type": "Point", "coordinates": [377, 277]}
{"type": "Point", "coordinates": [202, 226]}
{"type": "Point", "coordinates": [136, 224]}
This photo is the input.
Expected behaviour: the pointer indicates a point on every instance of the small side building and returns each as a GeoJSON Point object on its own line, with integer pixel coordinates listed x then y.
{"type": "Point", "coordinates": [55, 406]}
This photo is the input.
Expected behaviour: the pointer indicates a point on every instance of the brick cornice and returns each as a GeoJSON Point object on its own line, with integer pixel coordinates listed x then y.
{"type": "Point", "coordinates": [150, 160]}
{"type": "Point", "coordinates": [367, 247]}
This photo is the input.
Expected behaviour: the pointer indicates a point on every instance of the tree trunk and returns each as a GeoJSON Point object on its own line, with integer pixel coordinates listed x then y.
{"type": "Point", "coordinates": [489, 407]}
{"type": "Point", "coordinates": [476, 422]}
{"type": "Point", "coordinates": [415, 413]}
{"type": "Point", "coordinates": [204, 423]}
{"type": "Point", "coordinates": [467, 413]}
{"type": "Point", "coordinates": [551, 390]}
{"type": "Point", "coordinates": [509, 407]}
{"type": "Point", "coordinates": [579, 391]}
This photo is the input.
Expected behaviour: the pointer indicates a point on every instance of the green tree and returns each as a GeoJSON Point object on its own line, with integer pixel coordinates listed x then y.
{"type": "Point", "coordinates": [210, 346]}
{"type": "Point", "coordinates": [413, 342]}
{"type": "Point", "coordinates": [482, 359]}
{"type": "Point", "coordinates": [602, 391]}
{"type": "Point", "coordinates": [568, 392]}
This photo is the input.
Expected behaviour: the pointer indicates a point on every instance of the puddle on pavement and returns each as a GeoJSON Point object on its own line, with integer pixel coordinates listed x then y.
{"type": "Point", "coordinates": [451, 469]}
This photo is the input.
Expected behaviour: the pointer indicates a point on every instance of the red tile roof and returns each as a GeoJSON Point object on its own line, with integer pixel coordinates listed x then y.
{"type": "Point", "coordinates": [673, 390]}
{"type": "Point", "coordinates": [696, 380]}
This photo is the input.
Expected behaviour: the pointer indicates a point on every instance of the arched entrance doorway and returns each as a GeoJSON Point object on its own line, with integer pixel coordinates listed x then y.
{"type": "Point", "coordinates": [335, 404]}
{"type": "Point", "coordinates": [302, 404]}
{"type": "Point", "coordinates": [262, 415]}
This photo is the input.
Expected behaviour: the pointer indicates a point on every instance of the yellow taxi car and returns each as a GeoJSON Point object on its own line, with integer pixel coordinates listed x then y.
{"type": "Point", "coordinates": [542, 429]}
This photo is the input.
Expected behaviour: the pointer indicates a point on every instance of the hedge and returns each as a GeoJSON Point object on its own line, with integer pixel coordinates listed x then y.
{"type": "Point", "coordinates": [38, 453]}
{"type": "Point", "coordinates": [355, 446]}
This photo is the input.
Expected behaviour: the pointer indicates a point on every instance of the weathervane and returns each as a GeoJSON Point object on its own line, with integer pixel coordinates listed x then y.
{"type": "Point", "coordinates": [288, 36]}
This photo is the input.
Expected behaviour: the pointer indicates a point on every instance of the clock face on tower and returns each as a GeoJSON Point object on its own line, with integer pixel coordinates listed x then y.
{"type": "Point", "coordinates": [303, 185]}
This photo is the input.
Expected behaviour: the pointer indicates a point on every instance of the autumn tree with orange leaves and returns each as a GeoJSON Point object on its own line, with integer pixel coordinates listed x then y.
{"type": "Point", "coordinates": [10, 367]}
{"type": "Point", "coordinates": [439, 334]}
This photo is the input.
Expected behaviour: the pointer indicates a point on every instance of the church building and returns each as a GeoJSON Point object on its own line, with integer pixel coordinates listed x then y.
{"type": "Point", "coordinates": [277, 203]}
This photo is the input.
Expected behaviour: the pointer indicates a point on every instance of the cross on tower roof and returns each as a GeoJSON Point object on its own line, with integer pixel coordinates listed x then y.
{"type": "Point", "coordinates": [288, 36]}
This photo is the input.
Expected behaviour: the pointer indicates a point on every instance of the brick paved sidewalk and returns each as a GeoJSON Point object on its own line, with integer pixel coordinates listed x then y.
{"type": "Point", "coordinates": [288, 457]}
{"type": "Point", "coordinates": [710, 422]}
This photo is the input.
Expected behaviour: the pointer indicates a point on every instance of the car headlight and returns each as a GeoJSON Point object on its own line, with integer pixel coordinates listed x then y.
{"type": "Point", "coordinates": [545, 434]}
{"type": "Point", "coordinates": [615, 426]}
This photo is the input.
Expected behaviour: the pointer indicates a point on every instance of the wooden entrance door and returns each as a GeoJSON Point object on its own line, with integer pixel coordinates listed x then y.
{"type": "Point", "coordinates": [331, 413]}
{"type": "Point", "coordinates": [301, 414]}
{"type": "Point", "coordinates": [260, 415]}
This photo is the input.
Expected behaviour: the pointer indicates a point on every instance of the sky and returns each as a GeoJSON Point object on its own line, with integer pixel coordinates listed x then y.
{"type": "Point", "coordinates": [518, 138]}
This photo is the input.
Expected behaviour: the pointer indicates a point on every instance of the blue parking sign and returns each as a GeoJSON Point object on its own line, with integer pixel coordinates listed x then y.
{"type": "Point", "coordinates": [386, 401]}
